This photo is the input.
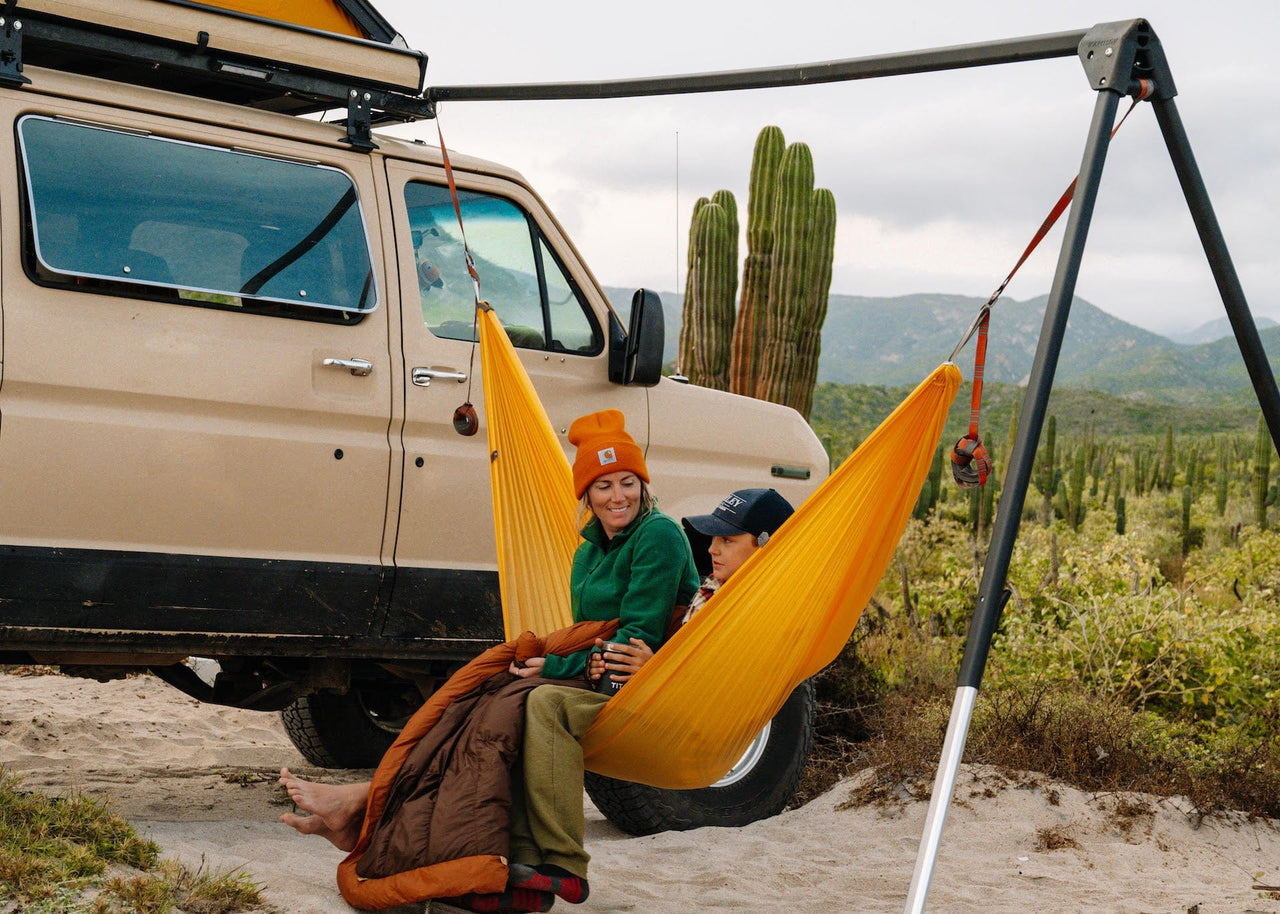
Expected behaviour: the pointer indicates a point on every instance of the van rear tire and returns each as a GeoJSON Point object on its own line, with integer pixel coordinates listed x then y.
{"type": "Point", "coordinates": [760, 785]}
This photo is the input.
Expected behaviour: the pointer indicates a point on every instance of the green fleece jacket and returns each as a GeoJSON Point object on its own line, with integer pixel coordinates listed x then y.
{"type": "Point", "coordinates": [637, 577]}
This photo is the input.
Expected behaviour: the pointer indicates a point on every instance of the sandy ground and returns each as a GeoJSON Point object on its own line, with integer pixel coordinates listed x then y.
{"type": "Point", "coordinates": [199, 780]}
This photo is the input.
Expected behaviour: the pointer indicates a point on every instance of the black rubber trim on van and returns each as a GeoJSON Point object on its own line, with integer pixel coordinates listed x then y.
{"type": "Point", "coordinates": [117, 591]}
{"type": "Point", "coordinates": [122, 598]}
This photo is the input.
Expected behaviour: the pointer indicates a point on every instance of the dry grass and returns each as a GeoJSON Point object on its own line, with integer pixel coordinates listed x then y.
{"type": "Point", "coordinates": [1055, 838]}
{"type": "Point", "coordinates": [1087, 742]}
{"type": "Point", "coordinates": [71, 855]}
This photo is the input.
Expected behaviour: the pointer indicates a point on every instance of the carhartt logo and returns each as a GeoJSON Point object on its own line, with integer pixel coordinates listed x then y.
{"type": "Point", "coordinates": [607, 456]}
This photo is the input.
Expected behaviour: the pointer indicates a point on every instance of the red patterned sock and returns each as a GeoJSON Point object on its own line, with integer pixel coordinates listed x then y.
{"type": "Point", "coordinates": [549, 878]}
{"type": "Point", "coordinates": [512, 901]}
{"type": "Point", "coordinates": [571, 888]}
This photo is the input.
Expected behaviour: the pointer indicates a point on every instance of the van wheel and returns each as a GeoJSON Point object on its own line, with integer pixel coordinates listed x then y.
{"type": "Point", "coordinates": [757, 787]}
{"type": "Point", "coordinates": [350, 729]}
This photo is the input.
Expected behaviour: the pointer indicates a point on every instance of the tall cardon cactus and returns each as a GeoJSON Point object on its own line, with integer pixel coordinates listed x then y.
{"type": "Point", "coordinates": [1261, 473]}
{"type": "Point", "coordinates": [706, 333]}
{"type": "Point", "coordinates": [745, 371]}
{"type": "Point", "coordinates": [786, 279]}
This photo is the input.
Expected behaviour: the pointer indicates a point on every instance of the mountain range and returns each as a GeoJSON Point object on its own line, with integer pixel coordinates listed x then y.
{"type": "Point", "coordinates": [897, 341]}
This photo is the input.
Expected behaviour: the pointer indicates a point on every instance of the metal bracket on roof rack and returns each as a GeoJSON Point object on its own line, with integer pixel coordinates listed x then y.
{"type": "Point", "coordinates": [196, 69]}
{"type": "Point", "coordinates": [11, 46]}
{"type": "Point", "coordinates": [367, 108]}
{"type": "Point", "coordinates": [360, 121]}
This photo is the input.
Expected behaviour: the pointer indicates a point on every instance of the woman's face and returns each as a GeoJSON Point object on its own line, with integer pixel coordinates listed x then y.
{"type": "Point", "coordinates": [615, 500]}
{"type": "Point", "coordinates": [728, 553]}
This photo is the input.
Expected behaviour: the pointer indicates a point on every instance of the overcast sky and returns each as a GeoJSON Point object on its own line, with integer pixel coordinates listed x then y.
{"type": "Point", "coordinates": [940, 179]}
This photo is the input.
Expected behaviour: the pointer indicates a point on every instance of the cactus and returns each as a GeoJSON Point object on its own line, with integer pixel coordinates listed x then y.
{"type": "Point", "coordinates": [932, 487]}
{"type": "Point", "coordinates": [745, 368]}
{"type": "Point", "coordinates": [1120, 515]}
{"type": "Point", "coordinates": [822, 242]}
{"type": "Point", "coordinates": [1220, 485]}
{"type": "Point", "coordinates": [989, 497]}
{"type": "Point", "coordinates": [1061, 505]}
{"type": "Point", "coordinates": [1187, 497]}
{"type": "Point", "coordinates": [1075, 489]}
{"type": "Point", "coordinates": [789, 276]}
{"type": "Point", "coordinates": [1047, 479]}
{"type": "Point", "coordinates": [707, 328]}
{"type": "Point", "coordinates": [786, 277]}
{"type": "Point", "coordinates": [1166, 466]}
{"type": "Point", "coordinates": [1261, 473]}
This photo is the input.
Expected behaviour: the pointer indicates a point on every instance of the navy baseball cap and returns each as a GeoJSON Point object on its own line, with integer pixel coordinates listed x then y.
{"type": "Point", "coordinates": [759, 512]}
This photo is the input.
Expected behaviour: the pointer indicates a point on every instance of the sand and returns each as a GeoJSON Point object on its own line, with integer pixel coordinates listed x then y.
{"type": "Point", "coordinates": [199, 780]}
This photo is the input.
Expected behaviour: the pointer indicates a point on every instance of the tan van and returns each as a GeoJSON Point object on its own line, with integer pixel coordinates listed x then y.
{"type": "Point", "coordinates": [233, 340]}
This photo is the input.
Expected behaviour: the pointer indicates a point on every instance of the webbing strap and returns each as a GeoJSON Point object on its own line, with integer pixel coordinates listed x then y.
{"type": "Point", "coordinates": [981, 322]}
{"type": "Point", "coordinates": [979, 367]}
{"type": "Point", "coordinates": [464, 417]}
{"type": "Point", "coordinates": [457, 211]}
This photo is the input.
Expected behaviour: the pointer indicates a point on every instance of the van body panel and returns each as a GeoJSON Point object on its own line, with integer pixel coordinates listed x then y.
{"type": "Point", "coordinates": [192, 477]}
{"type": "Point", "coordinates": [134, 426]}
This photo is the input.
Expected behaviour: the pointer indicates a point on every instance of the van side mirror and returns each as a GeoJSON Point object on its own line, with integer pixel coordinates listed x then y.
{"type": "Point", "coordinates": [637, 357]}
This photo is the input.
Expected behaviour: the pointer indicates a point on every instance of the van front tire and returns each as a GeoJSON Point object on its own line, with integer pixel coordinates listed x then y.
{"type": "Point", "coordinates": [758, 787]}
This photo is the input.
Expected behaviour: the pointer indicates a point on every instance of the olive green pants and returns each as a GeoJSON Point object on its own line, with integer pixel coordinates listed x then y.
{"type": "Point", "coordinates": [547, 822]}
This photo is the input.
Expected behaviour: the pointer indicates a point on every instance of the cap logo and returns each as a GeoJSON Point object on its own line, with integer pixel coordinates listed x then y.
{"type": "Point", "coordinates": [730, 503]}
{"type": "Point", "coordinates": [606, 456]}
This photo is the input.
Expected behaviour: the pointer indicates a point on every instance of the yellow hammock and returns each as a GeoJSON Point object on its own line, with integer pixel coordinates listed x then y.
{"type": "Point", "coordinates": [686, 718]}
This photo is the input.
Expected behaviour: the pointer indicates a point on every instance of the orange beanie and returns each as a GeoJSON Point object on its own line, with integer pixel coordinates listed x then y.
{"type": "Point", "coordinates": [603, 447]}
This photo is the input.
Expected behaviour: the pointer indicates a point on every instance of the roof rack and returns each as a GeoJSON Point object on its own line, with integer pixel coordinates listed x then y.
{"type": "Point", "coordinates": [225, 55]}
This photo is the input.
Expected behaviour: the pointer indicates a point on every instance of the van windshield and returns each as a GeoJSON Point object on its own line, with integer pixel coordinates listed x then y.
{"type": "Point", "coordinates": [222, 226]}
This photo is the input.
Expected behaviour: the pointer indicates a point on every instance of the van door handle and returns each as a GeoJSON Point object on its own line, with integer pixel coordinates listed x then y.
{"type": "Point", "coordinates": [422, 376]}
{"type": "Point", "coordinates": [358, 367]}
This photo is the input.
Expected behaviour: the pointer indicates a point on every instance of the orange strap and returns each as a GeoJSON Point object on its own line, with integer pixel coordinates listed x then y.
{"type": "Point", "coordinates": [1146, 87]}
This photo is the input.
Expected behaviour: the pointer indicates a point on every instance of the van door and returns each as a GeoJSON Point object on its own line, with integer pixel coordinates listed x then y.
{"type": "Point", "coordinates": [446, 585]}
{"type": "Point", "coordinates": [197, 383]}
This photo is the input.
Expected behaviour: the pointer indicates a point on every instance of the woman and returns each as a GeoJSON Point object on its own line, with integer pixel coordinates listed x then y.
{"type": "Point", "coordinates": [634, 565]}
{"type": "Point", "coordinates": [547, 823]}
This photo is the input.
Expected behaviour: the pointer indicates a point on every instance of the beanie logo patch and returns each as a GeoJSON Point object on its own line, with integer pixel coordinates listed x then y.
{"type": "Point", "coordinates": [606, 456]}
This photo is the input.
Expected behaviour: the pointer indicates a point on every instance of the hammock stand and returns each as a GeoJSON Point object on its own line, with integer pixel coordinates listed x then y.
{"type": "Point", "coordinates": [1116, 56]}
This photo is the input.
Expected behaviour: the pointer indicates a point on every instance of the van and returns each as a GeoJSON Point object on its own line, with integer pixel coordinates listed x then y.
{"type": "Point", "coordinates": [232, 340]}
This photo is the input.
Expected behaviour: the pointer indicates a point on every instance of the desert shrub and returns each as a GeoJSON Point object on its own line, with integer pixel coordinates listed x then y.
{"type": "Point", "coordinates": [1119, 662]}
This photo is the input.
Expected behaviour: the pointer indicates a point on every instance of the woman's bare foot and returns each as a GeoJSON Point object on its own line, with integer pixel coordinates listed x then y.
{"type": "Point", "coordinates": [334, 811]}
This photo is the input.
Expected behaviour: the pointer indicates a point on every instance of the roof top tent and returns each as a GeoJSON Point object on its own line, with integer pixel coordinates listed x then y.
{"type": "Point", "coordinates": [354, 18]}
{"type": "Point", "coordinates": [289, 56]}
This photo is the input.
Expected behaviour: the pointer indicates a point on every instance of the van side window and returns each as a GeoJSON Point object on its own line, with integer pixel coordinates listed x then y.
{"type": "Point", "coordinates": [536, 301]}
{"type": "Point", "coordinates": [134, 214]}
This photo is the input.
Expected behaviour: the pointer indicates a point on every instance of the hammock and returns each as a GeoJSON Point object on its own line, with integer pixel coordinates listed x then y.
{"type": "Point", "coordinates": [689, 714]}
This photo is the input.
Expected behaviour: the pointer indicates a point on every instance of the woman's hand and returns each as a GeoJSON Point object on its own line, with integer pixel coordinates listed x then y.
{"type": "Point", "coordinates": [595, 662]}
{"type": "Point", "coordinates": [531, 667]}
{"type": "Point", "coordinates": [624, 660]}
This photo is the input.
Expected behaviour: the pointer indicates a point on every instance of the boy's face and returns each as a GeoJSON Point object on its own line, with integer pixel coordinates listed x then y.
{"type": "Point", "coordinates": [728, 553]}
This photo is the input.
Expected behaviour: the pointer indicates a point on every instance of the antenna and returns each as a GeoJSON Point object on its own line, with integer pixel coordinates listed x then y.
{"type": "Point", "coordinates": [678, 375]}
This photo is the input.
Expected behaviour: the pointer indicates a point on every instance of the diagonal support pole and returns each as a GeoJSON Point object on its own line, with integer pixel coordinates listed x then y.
{"type": "Point", "coordinates": [1224, 272]}
{"type": "Point", "coordinates": [992, 594]}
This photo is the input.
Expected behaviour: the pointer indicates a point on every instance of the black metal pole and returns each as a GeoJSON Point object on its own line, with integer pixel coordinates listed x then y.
{"type": "Point", "coordinates": [1036, 47]}
{"type": "Point", "coordinates": [1224, 272]}
{"type": "Point", "coordinates": [986, 614]}
{"type": "Point", "coordinates": [1035, 403]}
